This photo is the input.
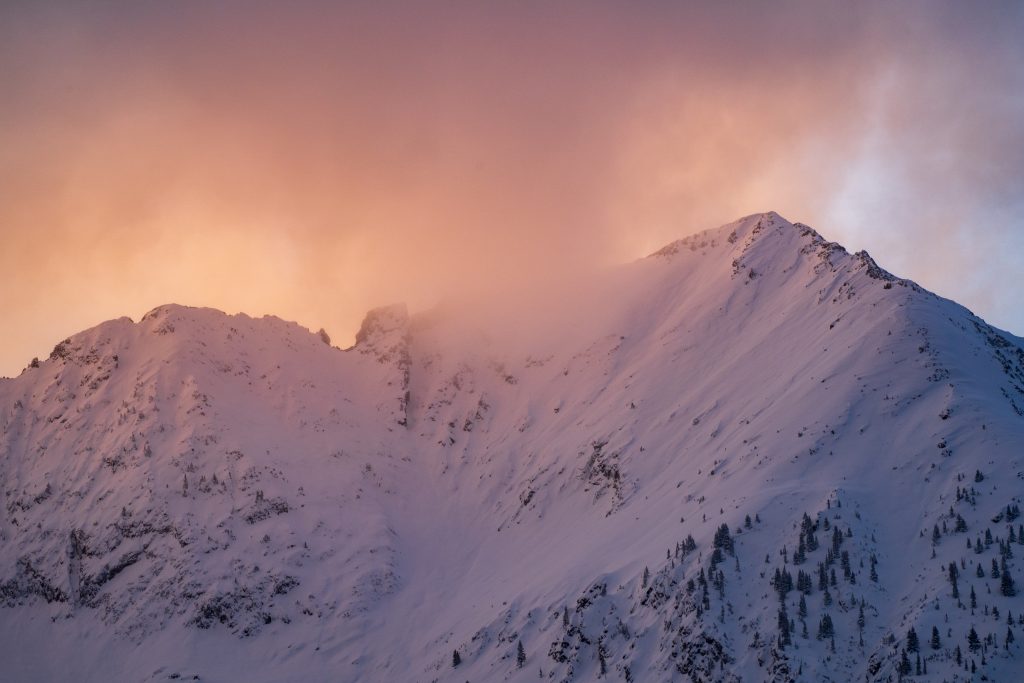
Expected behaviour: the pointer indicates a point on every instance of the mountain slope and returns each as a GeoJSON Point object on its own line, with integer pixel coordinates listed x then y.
{"type": "Point", "coordinates": [363, 514]}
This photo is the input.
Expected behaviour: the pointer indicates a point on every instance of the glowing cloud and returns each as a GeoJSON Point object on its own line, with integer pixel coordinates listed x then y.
{"type": "Point", "coordinates": [318, 159]}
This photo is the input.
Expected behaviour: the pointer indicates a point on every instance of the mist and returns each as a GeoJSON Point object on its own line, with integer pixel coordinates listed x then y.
{"type": "Point", "coordinates": [318, 159]}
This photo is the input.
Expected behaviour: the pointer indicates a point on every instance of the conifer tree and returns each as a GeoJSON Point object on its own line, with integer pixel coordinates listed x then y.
{"type": "Point", "coordinates": [904, 668]}
{"type": "Point", "coordinates": [1006, 586]}
{"type": "Point", "coordinates": [723, 540]}
{"type": "Point", "coordinates": [912, 642]}
{"type": "Point", "coordinates": [520, 655]}
{"type": "Point", "coordinates": [973, 642]}
{"type": "Point", "coordinates": [784, 638]}
{"type": "Point", "coordinates": [825, 628]}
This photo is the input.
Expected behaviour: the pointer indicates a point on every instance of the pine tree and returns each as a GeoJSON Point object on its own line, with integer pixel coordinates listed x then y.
{"type": "Point", "coordinates": [973, 642]}
{"type": "Point", "coordinates": [646, 577]}
{"type": "Point", "coordinates": [825, 628]}
{"type": "Point", "coordinates": [912, 642]}
{"type": "Point", "coordinates": [936, 642]}
{"type": "Point", "coordinates": [456, 658]}
{"type": "Point", "coordinates": [1006, 586]}
{"type": "Point", "coordinates": [974, 599]}
{"type": "Point", "coordinates": [904, 668]}
{"type": "Point", "coordinates": [520, 655]}
{"type": "Point", "coordinates": [784, 638]}
{"type": "Point", "coordinates": [723, 540]}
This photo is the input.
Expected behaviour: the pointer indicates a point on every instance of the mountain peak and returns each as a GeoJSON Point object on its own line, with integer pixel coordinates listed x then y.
{"type": "Point", "coordinates": [741, 231]}
{"type": "Point", "coordinates": [381, 324]}
{"type": "Point", "coordinates": [769, 239]}
{"type": "Point", "coordinates": [200, 483]}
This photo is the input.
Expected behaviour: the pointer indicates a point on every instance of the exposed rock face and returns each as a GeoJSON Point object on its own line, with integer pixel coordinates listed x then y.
{"type": "Point", "coordinates": [384, 335]}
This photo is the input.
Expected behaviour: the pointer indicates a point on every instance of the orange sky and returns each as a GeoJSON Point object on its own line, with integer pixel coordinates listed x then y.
{"type": "Point", "coordinates": [315, 159]}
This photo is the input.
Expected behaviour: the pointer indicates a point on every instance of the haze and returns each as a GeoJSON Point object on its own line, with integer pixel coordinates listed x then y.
{"type": "Point", "coordinates": [313, 160]}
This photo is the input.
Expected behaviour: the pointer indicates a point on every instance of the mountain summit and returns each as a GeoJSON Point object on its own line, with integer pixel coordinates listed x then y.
{"type": "Point", "coordinates": [751, 456]}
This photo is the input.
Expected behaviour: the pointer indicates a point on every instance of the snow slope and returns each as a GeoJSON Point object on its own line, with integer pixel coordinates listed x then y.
{"type": "Point", "coordinates": [212, 496]}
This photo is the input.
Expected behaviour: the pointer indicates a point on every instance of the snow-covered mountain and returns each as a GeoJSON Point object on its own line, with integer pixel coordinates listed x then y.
{"type": "Point", "coordinates": [751, 456]}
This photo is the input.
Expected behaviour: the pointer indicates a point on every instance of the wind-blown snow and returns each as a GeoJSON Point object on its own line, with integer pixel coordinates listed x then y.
{"type": "Point", "coordinates": [225, 497]}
